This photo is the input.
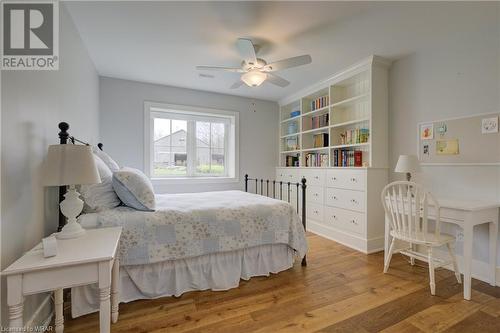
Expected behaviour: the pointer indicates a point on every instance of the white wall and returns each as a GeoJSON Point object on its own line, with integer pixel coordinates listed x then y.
{"type": "Point", "coordinates": [33, 103]}
{"type": "Point", "coordinates": [122, 127]}
{"type": "Point", "coordinates": [458, 76]}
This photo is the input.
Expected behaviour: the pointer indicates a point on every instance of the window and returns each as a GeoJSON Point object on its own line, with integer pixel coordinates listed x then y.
{"type": "Point", "coordinates": [189, 142]}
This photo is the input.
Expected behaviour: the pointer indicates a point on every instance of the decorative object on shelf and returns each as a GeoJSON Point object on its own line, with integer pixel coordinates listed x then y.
{"type": "Point", "coordinates": [489, 125]}
{"type": "Point", "coordinates": [427, 131]}
{"type": "Point", "coordinates": [447, 147]}
{"type": "Point", "coordinates": [292, 143]}
{"type": "Point", "coordinates": [442, 129]}
{"type": "Point", "coordinates": [319, 103]}
{"type": "Point", "coordinates": [70, 164]}
{"type": "Point", "coordinates": [295, 113]}
{"type": "Point", "coordinates": [407, 164]}
{"type": "Point", "coordinates": [292, 161]}
{"type": "Point", "coordinates": [292, 127]}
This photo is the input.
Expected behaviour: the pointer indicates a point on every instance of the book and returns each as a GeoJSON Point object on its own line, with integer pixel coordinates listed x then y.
{"type": "Point", "coordinates": [320, 140]}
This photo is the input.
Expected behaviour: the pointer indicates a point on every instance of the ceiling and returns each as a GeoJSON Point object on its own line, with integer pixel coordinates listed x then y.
{"type": "Point", "coordinates": [162, 42]}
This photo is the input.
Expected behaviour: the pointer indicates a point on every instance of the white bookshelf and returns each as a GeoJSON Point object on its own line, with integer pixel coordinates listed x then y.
{"type": "Point", "coordinates": [357, 99]}
{"type": "Point", "coordinates": [343, 202]}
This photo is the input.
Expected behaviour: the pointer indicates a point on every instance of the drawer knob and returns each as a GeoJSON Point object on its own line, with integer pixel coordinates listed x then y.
{"type": "Point", "coordinates": [354, 201]}
{"type": "Point", "coordinates": [334, 198]}
{"type": "Point", "coordinates": [353, 179]}
{"type": "Point", "coordinates": [315, 194]}
{"type": "Point", "coordinates": [334, 217]}
{"type": "Point", "coordinates": [316, 177]}
{"type": "Point", "coordinates": [334, 178]}
{"type": "Point", "coordinates": [316, 212]}
{"type": "Point", "coordinates": [354, 222]}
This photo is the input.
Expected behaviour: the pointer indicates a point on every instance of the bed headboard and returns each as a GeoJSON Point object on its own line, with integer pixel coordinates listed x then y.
{"type": "Point", "coordinates": [66, 138]}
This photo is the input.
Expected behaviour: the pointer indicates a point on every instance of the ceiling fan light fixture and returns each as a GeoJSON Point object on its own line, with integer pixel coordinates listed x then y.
{"type": "Point", "coordinates": [254, 78]}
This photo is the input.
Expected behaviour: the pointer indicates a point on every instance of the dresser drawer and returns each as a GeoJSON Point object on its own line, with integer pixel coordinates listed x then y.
{"type": "Point", "coordinates": [314, 212]}
{"type": "Point", "coordinates": [345, 219]}
{"type": "Point", "coordinates": [287, 175]}
{"type": "Point", "coordinates": [314, 177]}
{"type": "Point", "coordinates": [348, 179]}
{"type": "Point", "coordinates": [315, 194]}
{"type": "Point", "coordinates": [347, 199]}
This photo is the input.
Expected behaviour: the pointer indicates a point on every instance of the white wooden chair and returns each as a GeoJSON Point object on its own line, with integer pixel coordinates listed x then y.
{"type": "Point", "coordinates": [406, 207]}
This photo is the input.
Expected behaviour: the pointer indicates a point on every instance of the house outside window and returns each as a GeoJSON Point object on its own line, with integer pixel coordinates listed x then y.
{"type": "Point", "coordinates": [190, 143]}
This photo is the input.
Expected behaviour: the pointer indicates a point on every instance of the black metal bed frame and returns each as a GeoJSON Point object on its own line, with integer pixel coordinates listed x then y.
{"type": "Point", "coordinates": [288, 189]}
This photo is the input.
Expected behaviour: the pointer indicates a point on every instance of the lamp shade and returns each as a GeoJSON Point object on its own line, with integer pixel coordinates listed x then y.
{"type": "Point", "coordinates": [407, 163]}
{"type": "Point", "coordinates": [70, 165]}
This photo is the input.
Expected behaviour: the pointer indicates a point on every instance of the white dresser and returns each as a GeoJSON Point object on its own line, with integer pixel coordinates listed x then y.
{"type": "Point", "coordinates": [343, 204]}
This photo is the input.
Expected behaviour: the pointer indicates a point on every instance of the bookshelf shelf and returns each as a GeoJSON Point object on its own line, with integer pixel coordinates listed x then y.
{"type": "Point", "coordinates": [315, 149]}
{"type": "Point", "coordinates": [290, 119]}
{"type": "Point", "coordinates": [350, 145]}
{"type": "Point", "coordinates": [351, 122]}
{"type": "Point", "coordinates": [322, 110]}
{"type": "Point", "coordinates": [351, 100]}
{"type": "Point", "coordinates": [291, 151]}
{"type": "Point", "coordinates": [289, 135]}
{"type": "Point", "coordinates": [323, 129]}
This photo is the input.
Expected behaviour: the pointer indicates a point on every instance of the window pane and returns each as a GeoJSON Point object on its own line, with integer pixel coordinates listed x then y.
{"type": "Point", "coordinates": [202, 134]}
{"type": "Point", "coordinates": [169, 147]}
{"type": "Point", "coordinates": [217, 135]}
{"type": "Point", "coordinates": [217, 162]}
{"type": "Point", "coordinates": [203, 160]}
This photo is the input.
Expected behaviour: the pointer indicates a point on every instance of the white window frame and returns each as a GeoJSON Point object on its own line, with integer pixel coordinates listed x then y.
{"type": "Point", "coordinates": [155, 110]}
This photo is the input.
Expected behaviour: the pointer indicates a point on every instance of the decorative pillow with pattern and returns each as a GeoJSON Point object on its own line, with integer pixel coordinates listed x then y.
{"type": "Point", "coordinates": [134, 189]}
{"type": "Point", "coordinates": [99, 197]}
{"type": "Point", "coordinates": [112, 165]}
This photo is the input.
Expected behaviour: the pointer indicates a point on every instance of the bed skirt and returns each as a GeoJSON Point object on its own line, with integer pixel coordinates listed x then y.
{"type": "Point", "coordinates": [219, 271]}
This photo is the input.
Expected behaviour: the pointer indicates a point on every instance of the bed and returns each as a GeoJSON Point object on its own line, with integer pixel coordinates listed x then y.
{"type": "Point", "coordinates": [200, 241]}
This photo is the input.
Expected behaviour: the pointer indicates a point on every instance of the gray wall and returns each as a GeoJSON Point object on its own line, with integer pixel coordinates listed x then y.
{"type": "Point", "coordinates": [33, 103]}
{"type": "Point", "coordinates": [122, 127]}
{"type": "Point", "coordinates": [457, 77]}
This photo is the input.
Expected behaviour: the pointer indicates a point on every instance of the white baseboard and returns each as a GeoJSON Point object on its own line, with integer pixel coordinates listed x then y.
{"type": "Point", "coordinates": [353, 241]}
{"type": "Point", "coordinates": [40, 319]}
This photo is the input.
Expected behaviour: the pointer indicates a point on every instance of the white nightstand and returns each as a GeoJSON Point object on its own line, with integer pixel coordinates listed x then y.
{"type": "Point", "coordinates": [80, 261]}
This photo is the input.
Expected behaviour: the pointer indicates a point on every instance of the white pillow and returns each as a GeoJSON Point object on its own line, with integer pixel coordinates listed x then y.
{"type": "Point", "coordinates": [112, 165]}
{"type": "Point", "coordinates": [134, 189]}
{"type": "Point", "coordinates": [99, 197]}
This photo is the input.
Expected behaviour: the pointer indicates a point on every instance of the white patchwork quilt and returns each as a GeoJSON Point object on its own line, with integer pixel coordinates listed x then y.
{"type": "Point", "coordinates": [194, 224]}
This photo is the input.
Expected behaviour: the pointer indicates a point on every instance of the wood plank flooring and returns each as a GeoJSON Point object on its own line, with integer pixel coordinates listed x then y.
{"type": "Point", "coordinates": [340, 290]}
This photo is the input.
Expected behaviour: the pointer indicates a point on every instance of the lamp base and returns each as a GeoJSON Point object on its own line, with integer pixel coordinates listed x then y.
{"type": "Point", "coordinates": [71, 207]}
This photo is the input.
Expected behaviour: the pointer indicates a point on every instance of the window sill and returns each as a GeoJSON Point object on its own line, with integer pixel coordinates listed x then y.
{"type": "Point", "coordinates": [195, 180]}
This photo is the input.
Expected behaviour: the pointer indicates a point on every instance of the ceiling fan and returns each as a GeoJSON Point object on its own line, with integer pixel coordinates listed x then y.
{"type": "Point", "coordinates": [254, 71]}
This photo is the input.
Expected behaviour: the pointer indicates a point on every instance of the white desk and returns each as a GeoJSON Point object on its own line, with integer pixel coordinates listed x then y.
{"type": "Point", "coordinates": [79, 261]}
{"type": "Point", "coordinates": [466, 214]}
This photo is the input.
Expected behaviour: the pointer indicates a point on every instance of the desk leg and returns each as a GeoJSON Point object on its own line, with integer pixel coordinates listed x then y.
{"type": "Point", "coordinates": [104, 296]}
{"type": "Point", "coordinates": [15, 301]}
{"type": "Point", "coordinates": [493, 251]}
{"type": "Point", "coordinates": [115, 279]}
{"type": "Point", "coordinates": [468, 235]}
{"type": "Point", "coordinates": [58, 305]}
{"type": "Point", "coordinates": [386, 239]}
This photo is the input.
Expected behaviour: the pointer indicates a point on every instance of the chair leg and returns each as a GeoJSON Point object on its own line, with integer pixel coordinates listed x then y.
{"type": "Point", "coordinates": [412, 260]}
{"type": "Point", "coordinates": [431, 270]}
{"type": "Point", "coordinates": [389, 255]}
{"type": "Point", "coordinates": [451, 251]}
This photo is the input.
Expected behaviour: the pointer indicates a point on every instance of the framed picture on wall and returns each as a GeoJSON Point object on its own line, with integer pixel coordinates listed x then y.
{"type": "Point", "coordinates": [427, 131]}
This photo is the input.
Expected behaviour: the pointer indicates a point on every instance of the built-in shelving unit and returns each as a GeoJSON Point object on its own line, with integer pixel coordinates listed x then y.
{"type": "Point", "coordinates": [339, 143]}
{"type": "Point", "coordinates": [351, 101]}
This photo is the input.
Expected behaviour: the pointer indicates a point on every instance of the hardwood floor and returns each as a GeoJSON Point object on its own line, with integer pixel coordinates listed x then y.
{"type": "Point", "coordinates": [340, 290]}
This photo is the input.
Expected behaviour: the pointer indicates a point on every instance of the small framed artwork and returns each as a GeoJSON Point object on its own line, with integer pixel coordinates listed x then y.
{"type": "Point", "coordinates": [426, 131]}
{"type": "Point", "coordinates": [489, 125]}
{"type": "Point", "coordinates": [447, 147]}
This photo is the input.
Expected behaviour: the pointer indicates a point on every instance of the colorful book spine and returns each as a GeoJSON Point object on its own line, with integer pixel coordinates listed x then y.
{"type": "Point", "coordinates": [319, 103]}
{"type": "Point", "coordinates": [347, 158]}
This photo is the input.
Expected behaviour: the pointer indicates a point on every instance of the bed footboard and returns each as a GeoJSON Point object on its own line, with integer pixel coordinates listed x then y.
{"type": "Point", "coordinates": [284, 192]}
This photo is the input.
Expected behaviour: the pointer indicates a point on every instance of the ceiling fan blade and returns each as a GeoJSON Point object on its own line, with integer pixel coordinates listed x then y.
{"type": "Point", "coordinates": [288, 63]}
{"type": "Point", "coordinates": [247, 51]}
{"type": "Point", "coordinates": [236, 85]}
{"type": "Point", "coordinates": [216, 68]}
{"type": "Point", "coordinates": [277, 80]}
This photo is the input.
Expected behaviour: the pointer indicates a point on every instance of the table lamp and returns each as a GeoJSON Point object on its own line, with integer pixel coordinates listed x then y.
{"type": "Point", "coordinates": [70, 165]}
{"type": "Point", "coordinates": [407, 164]}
